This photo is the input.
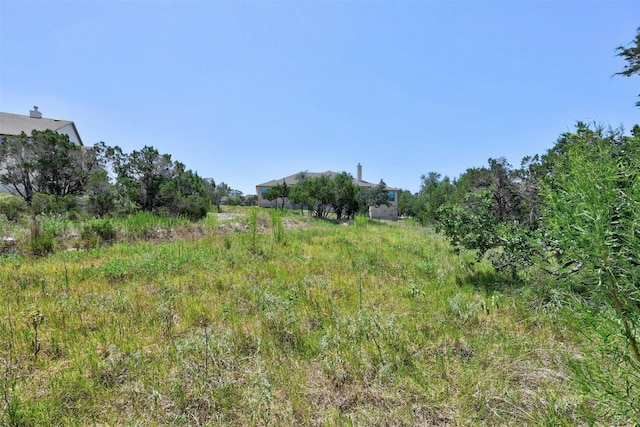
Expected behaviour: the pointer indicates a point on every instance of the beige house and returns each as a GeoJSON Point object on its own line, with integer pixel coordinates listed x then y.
{"type": "Point", "coordinates": [12, 125]}
{"type": "Point", "coordinates": [15, 124]}
{"type": "Point", "coordinates": [381, 212]}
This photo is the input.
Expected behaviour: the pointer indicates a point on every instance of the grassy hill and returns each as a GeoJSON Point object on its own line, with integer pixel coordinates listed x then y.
{"type": "Point", "coordinates": [262, 320]}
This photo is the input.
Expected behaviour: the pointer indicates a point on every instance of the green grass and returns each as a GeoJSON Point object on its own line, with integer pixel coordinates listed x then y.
{"type": "Point", "coordinates": [318, 324]}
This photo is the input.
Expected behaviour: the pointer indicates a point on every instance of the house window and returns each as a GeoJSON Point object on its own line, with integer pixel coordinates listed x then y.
{"type": "Point", "coordinates": [263, 191]}
{"type": "Point", "coordinates": [392, 196]}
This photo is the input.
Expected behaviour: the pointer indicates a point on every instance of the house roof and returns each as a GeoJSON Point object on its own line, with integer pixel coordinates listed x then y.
{"type": "Point", "coordinates": [292, 180]}
{"type": "Point", "coordinates": [15, 124]}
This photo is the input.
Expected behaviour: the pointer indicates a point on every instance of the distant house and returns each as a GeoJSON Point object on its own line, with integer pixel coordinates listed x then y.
{"type": "Point", "coordinates": [14, 124]}
{"type": "Point", "coordinates": [380, 212]}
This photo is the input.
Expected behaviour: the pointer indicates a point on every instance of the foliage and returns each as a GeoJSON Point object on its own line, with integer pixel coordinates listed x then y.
{"type": "Point", "coordinates": [373, 196]}
{"type": "Point", "coordinates": [47, 162]}
{"type": "Point", "coordinates": [11, 206]}
{"type": "Point", "coordinates": [59, 205]}
{"type": "Point", "coordinates": [155, 183]}
{"type": "Point", "coordinates": [216, 192]}
{"type": "Point", "coordinates": [408, 204]}
{"type": "Point", "coordinates": [278, 195]}
{"type": "Point", "coordinates": [434, 193]}
{"type": "Point", "coordinates": [185, 195]}
{"type": "Point", "coordinates": [631, 54]}
{"type": "Point", "coordinates": [97, 231]}
{"type": "Point", "coordinates": [345, 196]}
{"type": "Point", "coordinates": [380, 325]}
{"type": "Point", "coordinates": [592, 221]}
{"type": "Point", "coordinates": [101, 194]}
{"type": "Point", "coordinates": [473, 224]}
{"type": "Point", "coordinates": [141, 174]}
{"type": "Point", "coordinates": [316, 194]}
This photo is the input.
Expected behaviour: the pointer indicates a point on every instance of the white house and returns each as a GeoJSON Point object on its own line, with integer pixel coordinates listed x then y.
{"type": "Point", "coordinates": [14, 124]}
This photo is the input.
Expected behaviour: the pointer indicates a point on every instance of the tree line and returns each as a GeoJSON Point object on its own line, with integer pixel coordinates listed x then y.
{"type": "Point", "coordinates": [50, 173]}
{"type": "Point", "coordinates": [322, 195]}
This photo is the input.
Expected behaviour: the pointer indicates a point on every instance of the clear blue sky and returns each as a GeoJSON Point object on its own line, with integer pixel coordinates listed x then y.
{"type": "Point", "coordinates": [248, 91]}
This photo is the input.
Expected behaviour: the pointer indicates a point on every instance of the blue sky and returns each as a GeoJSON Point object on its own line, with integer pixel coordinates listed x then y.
{"type": "Point", "coordinates": [249, 91]}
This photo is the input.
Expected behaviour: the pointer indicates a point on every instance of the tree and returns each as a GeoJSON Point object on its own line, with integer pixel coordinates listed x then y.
{"type": "Point", "coordinates": [344, 200]}
{"type": "Point", "coordinates": [48, 162]}
{"type": "Point", "coordinates": [321, 191]}
{"type": "Point", "coordinates": [434, 193]}
{"type": "Point", "coordinates": [141, 174]}
{"type": "Point", "coordinates": [591, 223]}
{"type": "Point", "coordinates": [101, 194]}
{"type": "Point", "coordinates": [185, 194]}
{"type": "Point", "coordinates": [300, 196]}
{"type": "Point", "coordinates": [631, 54]}
{"type": "Point", "coordinates": [272, 195]}
{"type": "Point", "coordinates": [216, 192]}
{"type": "Point", "coordinates": [408, 204]}
{"type": "Point", "coordinates": [373, 196]}
{"type": "Point", "coordinates": [279, 192]}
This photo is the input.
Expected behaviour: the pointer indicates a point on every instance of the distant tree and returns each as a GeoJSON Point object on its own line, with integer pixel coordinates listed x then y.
{"type": "Point", "coordinates": [251, 200]}
{"type": "Point", "coordinates": [345, 192]}
{"type": "Point", "coordinates": [434, 192]}
{"type": "Point", "coordinates": [322, 192]}
{"type": "Point", "coordinates": [185, 194]}
{"type": "Point", "coordinates": [278, 194]}
{"type": "Point", "coordinates": [49, 163]}
{"type": "Point", "coordinates": [272, 195]}
{"type": "Point", "coordinates": [471, 224]}
{"type": "Point", "coordinates": [407, 204]}
{"type": "Point", "coordinates": [374, 196]}
{"type": "Point", "coordinates": [141, 175]}
{"type": "Point", "coordinates": [216, 192]}
{"type": "Point", "coordinates": [300, 195]}
{"type": "Point", "coordinates": [101, 194]}
{"type": "Point", "coordinates": [236, 198]}
{"type": "Point", "coordinates": [631, 54]}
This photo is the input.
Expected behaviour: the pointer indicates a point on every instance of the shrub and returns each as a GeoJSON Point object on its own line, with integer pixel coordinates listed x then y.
{"type": "Point", "coordinates": [97, 231]}
{"type": "Point", "coordinates": [11, 206]}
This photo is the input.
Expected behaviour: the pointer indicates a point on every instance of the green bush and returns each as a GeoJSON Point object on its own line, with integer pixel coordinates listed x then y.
{"type": "Point", "coordinates": [41, 242]}
{"type": "Point", "coordinates": [11, 206]}
{"type": "Point", "coordinates": [97, 231]}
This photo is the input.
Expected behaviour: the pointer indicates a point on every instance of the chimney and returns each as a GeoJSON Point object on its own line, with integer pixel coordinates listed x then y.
{"type": "Point", "coordinates": [35, 114]}
{"type": "Point", "coordinates": [359, 172]}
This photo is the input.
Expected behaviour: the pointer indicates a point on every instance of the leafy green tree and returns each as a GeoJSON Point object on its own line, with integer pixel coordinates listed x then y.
{"type": "Point", "coordinates": [631, 54]}
{"type": "Point", "coordinates": [434, 193]}
{"type": "Point", "coordinates": [408, 204]}
{"type": "Point", "coordinates": [344, 200]}
{"type": "Point", "coordinates": [185, 194]}
{"type": "Point", "coordinates": [373, 196]}
{"type": "Point", "coordinates": [300, 195]}
{"type": "Point", "coordinates": [471, 224]}
{"type": "Point", "coordinates": [278, 194]}
{"type": "Point", "coordinates": [216, 192]}
{"type": "Point", "coordinates": [141, 175]}
{"type": "Point", "coordinates": [49, 163]}
{"type": "Point", "coordinates": [272, 195]}
{"type": "Point", "coordinates": [322, 191]}
{"type": "Point", "coordinates": [11, 206]}
{"type": "Point", "coordinates": [101, 194]}
{"type": "Point", "coordinates": [591, 223]}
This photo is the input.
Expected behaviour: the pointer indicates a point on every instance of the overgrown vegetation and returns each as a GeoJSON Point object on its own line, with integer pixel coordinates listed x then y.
{"type": "Point", "coordinates": [382, 324]}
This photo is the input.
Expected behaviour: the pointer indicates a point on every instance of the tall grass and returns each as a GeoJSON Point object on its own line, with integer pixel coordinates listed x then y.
{"type": "Point", "coordinates": [341, 325]}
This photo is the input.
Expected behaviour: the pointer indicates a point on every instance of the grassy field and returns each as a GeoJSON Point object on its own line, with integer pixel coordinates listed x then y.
{"type": "Point", "coordinates": [269, 320]}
